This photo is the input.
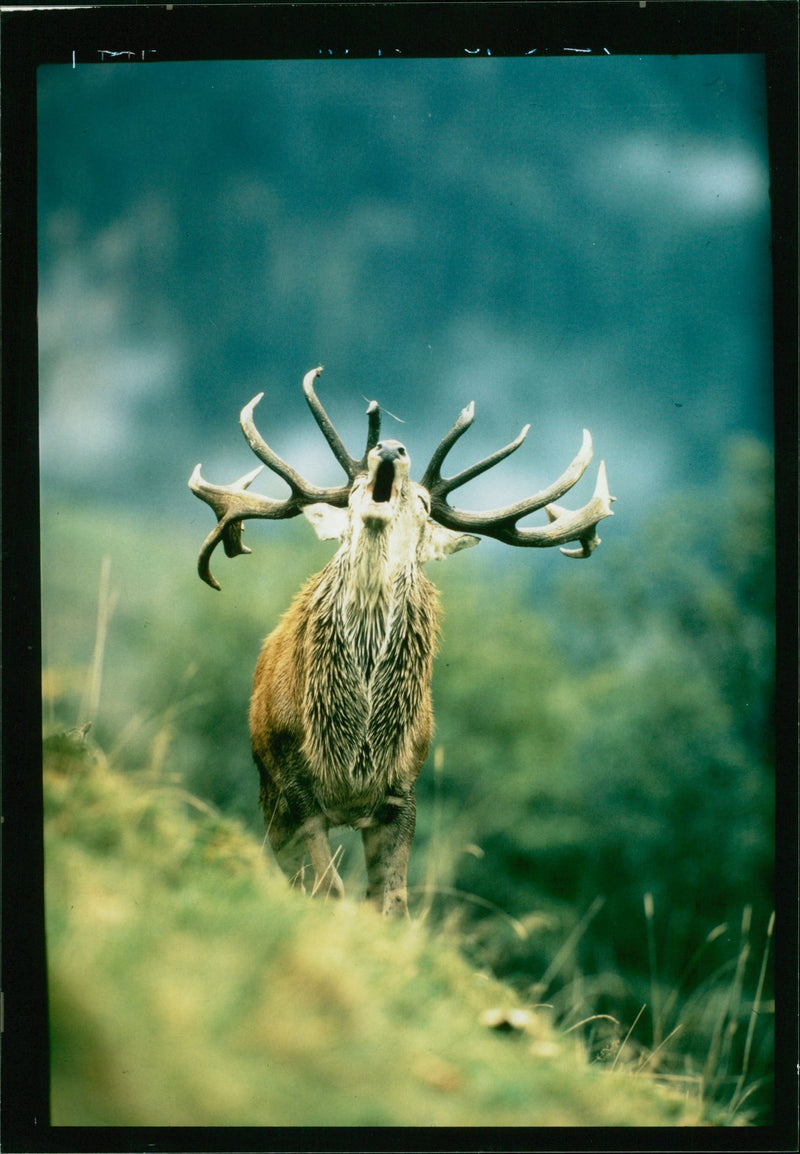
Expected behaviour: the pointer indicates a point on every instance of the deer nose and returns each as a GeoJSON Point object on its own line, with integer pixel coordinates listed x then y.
{"type": "Point", "coordinates": [391, 451]}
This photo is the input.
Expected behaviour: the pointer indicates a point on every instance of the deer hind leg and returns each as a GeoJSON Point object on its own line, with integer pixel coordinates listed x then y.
{"type": "Point", "coordinates": [387, 846]}
{"type": "Point", "coordinates": [298, 830]}
{"type": "Point", "coordinates": [291, 857]}
{"type": "Point", "coordinates": [311, 840]}
{"type": "Point", "coordinates": [327, 882]}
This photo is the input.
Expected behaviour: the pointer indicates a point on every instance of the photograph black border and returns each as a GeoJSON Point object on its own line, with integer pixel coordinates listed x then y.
{"type": "Point", "coordinates": [128, 36]}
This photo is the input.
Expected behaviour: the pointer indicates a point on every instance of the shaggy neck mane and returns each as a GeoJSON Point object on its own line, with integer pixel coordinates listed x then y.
{"type": "Point", "coordinates": [368, 575]}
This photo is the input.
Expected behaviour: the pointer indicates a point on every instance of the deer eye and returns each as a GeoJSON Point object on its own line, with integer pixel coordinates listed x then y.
{"type": "Point", "coordinates": [401, 450]}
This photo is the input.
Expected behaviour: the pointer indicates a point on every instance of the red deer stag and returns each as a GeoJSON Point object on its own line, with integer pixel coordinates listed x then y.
{"type": "Point", "coordinates": [340, 717]}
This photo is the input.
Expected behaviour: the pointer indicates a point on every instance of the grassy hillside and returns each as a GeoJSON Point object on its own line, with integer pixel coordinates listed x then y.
{"type": "Point", "coordinates": [189, 986]}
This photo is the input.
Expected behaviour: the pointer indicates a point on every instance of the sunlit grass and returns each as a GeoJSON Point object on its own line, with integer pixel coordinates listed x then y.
{"type": "Point", "coordinates": [189, 985]}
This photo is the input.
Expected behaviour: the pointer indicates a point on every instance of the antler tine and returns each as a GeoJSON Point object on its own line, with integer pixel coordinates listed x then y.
{"type": "Point", "coordinates": [264, 452]}
{"type": "Point", "coordinates": [565, 525]}
{"type": "Point", "coordinates": [208, 547]}
{"type": "Point", "coordinates": [571, 475]}
{"type": "Point", "coordinates": [232, 504]}
{"type": "Point", "coordinates": [445, 485]}
{"type": "Point", "coordinates": [350, 465]}
{"type": "Point", "coordinates": [590, 540]}
{"type": "Point", "coordinates": [303, 491]}
{"type": "Point", "coordinates": [432, 476]}
{"type": "Point", "coordinates": [373, 431]}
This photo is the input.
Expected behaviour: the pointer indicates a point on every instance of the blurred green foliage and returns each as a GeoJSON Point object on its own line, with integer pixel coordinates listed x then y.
{"type": "Point", "coordinates": [604, 737]}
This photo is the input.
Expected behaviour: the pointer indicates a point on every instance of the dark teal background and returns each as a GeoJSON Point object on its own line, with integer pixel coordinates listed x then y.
{"type": "Point", "coordinates": [569, 241]}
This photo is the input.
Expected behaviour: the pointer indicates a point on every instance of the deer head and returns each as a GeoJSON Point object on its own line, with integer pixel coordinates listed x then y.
{"type": "Point", "coordinates": [381, 506]}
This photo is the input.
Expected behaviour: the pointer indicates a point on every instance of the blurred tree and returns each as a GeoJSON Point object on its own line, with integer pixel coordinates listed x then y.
{"type": "Point", "coordinates": [639, 759]}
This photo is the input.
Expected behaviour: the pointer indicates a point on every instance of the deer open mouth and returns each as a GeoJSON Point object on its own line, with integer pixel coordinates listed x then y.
{"type": "Point", "coordinates": [383, 484]}
{"type": "Point", "coordinates": [381, 495]}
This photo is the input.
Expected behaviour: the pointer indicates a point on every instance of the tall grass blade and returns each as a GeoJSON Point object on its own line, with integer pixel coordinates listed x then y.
{"type": "Point", "coordinates": [333, 865]}
{"type": "Point", "coordinates": [627, 1036]}
{"type": "Point", "coordinates": [738, 1097]}
{"type": "Point", "coordinates": [568, 948]}
{"type": "Point", "coordinates": [592, 1018]}
{"type": "Point", "coordinates": [106, 602]}
{"type": "Point", "coordinates": [711, 936]}
{"type": "Point", "coordinates": [660, 1046]}
{"type": "Point", "coordinates": [475, 899]}
{"type": "Point", "coordinates": [655, 991]}
{"type": "Point", "coordinates": [725, 1027]}
{"type": "Point", "coordinates": [434, 843]}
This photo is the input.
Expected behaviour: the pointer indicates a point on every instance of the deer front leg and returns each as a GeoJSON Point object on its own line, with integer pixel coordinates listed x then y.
{"type": "Point", "coordinates": [387, 846]}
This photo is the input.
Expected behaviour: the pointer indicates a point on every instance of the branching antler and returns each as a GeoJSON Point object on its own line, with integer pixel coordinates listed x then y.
{"type": "Point", "coordinates": [350, 465]}
{"type": "Point", "coordinates": [233, 503]}
{"type": "Point", "coordinates": [565, 525]}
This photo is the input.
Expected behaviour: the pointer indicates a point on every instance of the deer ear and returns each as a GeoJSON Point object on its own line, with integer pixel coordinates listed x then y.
{"type": "Point", "coordinates": [441, 541]}
{"type": "Point", "coordinates": [328, 521]}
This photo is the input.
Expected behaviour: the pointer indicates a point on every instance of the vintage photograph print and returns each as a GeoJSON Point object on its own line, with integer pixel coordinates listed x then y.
{"type": "Point", "coordinates": [406, 488]}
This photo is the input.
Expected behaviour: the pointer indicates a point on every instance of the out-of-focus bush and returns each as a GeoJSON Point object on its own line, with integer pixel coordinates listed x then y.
{"type": "Point", "coordinates": [640, 755]}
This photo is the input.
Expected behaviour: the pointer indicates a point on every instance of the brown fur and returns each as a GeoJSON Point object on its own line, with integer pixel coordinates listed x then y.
{"type": "Point", "coordinates": [341, 715]}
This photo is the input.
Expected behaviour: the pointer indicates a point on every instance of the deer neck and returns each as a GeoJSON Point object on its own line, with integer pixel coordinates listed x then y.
{"type": "Point", "coordinates": [375, 575]}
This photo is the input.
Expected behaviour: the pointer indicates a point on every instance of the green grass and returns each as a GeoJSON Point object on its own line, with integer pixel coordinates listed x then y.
{"type": "Point", "coordinates": [190, 986]}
